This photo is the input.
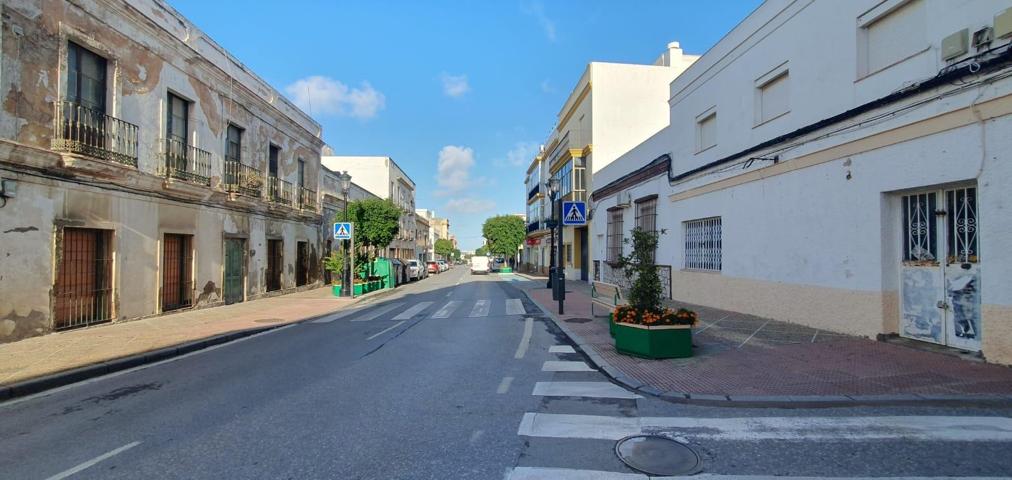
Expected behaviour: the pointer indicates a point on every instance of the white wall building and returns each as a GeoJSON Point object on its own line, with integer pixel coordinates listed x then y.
{"type": "Point", "coordinates": [613, 107]}
{"type": "Point", "coordinates": [382, 177]}
{"type": "Point", "coordinates": [843, 165]}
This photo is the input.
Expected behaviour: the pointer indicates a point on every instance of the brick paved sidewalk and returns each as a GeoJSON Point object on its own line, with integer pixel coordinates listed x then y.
{"type": "Point", "coordinates": [39, 356]}
{"type": "Point", "coordinates": [741, 355]}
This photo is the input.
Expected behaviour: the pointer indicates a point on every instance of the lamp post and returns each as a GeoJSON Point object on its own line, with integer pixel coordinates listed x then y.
{"type": "Point", "coordinates": [552, 187]}
{"type": "Point", "coordinates": [346, 279]}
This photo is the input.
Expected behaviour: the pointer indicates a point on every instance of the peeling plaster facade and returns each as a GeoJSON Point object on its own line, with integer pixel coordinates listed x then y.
{"type": "Point", "coordinates": [150, 51]}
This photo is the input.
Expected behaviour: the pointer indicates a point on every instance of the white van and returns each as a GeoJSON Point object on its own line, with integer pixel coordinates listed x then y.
{"type": "Point", "coordinates": [479, 264]}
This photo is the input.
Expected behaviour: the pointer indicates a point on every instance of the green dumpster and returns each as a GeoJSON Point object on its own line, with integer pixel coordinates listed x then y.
{"type": "Point", "coordinates": [383, 269]}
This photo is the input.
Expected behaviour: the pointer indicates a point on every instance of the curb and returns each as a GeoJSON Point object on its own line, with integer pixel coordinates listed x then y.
{"type": "Point", "coordinates": [770, 401]}
{"type": "Point", "coordinates": [67, 377]}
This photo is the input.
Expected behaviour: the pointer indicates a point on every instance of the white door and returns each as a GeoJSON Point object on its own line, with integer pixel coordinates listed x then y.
{"type": "Point", "coordinates": [940, 269]}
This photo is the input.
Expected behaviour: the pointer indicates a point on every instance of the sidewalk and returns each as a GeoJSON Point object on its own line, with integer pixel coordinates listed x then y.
{"type": "Point", "coordinates": [63, 351]}
{"type": "Point", "coordinates": [750, 359]}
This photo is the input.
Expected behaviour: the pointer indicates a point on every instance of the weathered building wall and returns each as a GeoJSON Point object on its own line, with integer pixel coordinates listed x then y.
{"type": "Point", "coordinates": [150, 51]}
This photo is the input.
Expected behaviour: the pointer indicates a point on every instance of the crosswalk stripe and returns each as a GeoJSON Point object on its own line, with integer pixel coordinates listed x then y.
{"type": "Point", "coordinates": [447, 309]}
{"type": "Point", "coordinates": [542, 473]}
{"type": "Point", "coordinates": [561, 349]}
{"type": "Point", "coordinates": [417, 308]}
{"type": "Point", "coordinates": [376, 313]}
{"type": "Point", "coordinates": [582, 389]}
{"type": "Point", "coordinates": [515, 307]}
{"type": "Point", "coordinates": [566, 366]}
{"type": "Point", "coordinates": [481, 308]}
{"type": "Point", "coordinates": [337, 316]}
{"type": "Point", "coordinates": [535, 473]}
{"type": "Point", "coordinates": [918, 428]}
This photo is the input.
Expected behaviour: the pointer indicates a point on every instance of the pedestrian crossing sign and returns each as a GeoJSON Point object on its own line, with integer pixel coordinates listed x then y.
{"type": "Point", "coordinates": [574, 213]}
{"type": "Point", "coordinates": [343, 231]}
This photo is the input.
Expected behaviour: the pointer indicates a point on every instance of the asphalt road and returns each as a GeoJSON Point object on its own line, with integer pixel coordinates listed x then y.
{"type": "Point", "coordinates": [435, 382]}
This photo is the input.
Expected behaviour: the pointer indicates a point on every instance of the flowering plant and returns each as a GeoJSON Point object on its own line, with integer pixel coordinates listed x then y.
{"type": "Point", "coordinates": [654, 317]}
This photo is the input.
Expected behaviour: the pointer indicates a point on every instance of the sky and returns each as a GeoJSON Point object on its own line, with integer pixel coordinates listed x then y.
{"type": "Point", "coordinates": [459, 93]}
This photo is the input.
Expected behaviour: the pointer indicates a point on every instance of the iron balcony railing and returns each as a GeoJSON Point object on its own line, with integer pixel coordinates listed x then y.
{"type": "Point", "coordinates": [279, 191]}
{"type": "Point", "coordinates": [307, 199]}
{"type": "Point", "coordinates": [81, 130]}
{"type": "Point", "coordinates": [243, 179]}
{"type": "Point", "coordinates": [186, 162]}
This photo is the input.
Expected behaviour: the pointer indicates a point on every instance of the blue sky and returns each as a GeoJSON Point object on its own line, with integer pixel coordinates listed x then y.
{"type": "Point", "coordinates": [469, 88]}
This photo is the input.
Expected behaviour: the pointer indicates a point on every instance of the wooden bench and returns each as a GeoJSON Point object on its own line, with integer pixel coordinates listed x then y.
{"type": "Point", "coordinates": [605, 295]}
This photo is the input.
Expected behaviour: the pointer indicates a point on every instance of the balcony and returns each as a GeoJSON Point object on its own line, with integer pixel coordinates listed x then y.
{"type": "Point", "coordinates": [243, 179]}
{"type": "Point", "coordinates": [186, 162]}
{"type": "Point", "coordinates": [280, 191]}
{"type": "Point", "coordinates": [307, 199]}
{"type": "Point", "coordinates": [534, 191]}
{"type": "Point", "coordinates": [535, 226]}
{"type": "Point", "coordinates": [80, 130]}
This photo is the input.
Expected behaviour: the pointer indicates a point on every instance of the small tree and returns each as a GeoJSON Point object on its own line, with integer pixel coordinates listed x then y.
{"type": "Point", "coordinates": [639, 266]}
{"type": "Point", "coordinates": [504, 233]}
{"type": "Point", "coordinates": [481, 251]}
{"type": "Point", "coordinates": [376, 223]}
{"type": "Point", "coordinates": [444, 248]}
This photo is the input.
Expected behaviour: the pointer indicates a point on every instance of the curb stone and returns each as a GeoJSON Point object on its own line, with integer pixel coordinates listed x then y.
{"type": "Point", "coordinates": [105, 367]}
{"type": "Point", "coordinates": [768, 401]}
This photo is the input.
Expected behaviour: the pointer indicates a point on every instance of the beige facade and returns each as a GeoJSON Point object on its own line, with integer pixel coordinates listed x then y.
{"type": "Point", "coordinates": [153, 170]}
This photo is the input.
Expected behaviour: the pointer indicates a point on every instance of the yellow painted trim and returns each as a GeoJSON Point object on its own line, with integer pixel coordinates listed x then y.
{"type": "Point", "coordinates": [569, 155]}
{"type": "Point", "coordinates": [947, 121]}
{"type": "Point", "coordinates": [587, 150]}
{"type": "Point", "coordinates": [576, 103]}
{"type": "Point", "coordinates": [535, 162]}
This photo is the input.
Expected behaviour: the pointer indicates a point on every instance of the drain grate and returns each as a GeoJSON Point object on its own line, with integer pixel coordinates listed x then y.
{"type": "Point", "coordinates": [656, 455]}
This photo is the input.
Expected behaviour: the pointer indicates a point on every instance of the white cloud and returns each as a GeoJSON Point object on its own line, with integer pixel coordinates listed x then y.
{"type": "Point", "coordinates": [320, 95]}
{"type": "Point", "coordinates": [453, 170]}
{"type": "Point", "coordinates": [520, 155]}
{"type": "Point", "coordinates": [455, 85]}
{"type": "Point", "coordinates": [547, 87]}
{"type": "Point", "coordinates": [469, 205]}
{"type": "Point", "coordinates": [537, 10]}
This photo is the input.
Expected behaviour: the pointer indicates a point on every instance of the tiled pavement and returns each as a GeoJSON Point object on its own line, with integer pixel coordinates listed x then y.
{"type": "Point", "coordinates": [742, 355]}
{"type": "Point", "coordinates": [48, 354]}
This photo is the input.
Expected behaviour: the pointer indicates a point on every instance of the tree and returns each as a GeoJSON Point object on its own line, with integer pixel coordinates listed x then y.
{"type": "Point", "coordinates": [376, 223]}
{"type": "Point", "coordinates": [481, 251]}
{"type": "Point", "coordinates": [504, 234]}
{"type": "Point", "coordinates": [444, 248]}
{"type": "Point", "coordinates": [645, 294]}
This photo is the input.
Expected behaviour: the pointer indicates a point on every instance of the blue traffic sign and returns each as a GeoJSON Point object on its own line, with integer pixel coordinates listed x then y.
{"type": "Point", "coordinates": [343, 231]}
{"type": "Point", "coordinates": [574, 213]}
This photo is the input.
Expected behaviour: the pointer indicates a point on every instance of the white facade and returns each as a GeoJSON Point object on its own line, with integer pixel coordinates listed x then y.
{"type": "Point", "coordinates": [613, 107]}
{"type": "Point", "coordinates": [382, 177]}
{"type": "Point", "coordinates": [817, 217]}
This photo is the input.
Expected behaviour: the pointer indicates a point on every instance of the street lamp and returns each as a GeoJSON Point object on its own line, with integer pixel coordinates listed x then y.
{"type": "Point", "coordinates": [346, 277]}
{"type": "Point", "coordinates": [552, 188]}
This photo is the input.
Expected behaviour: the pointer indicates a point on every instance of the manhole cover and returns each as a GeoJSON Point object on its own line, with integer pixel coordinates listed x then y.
{"type": "Point", "coordinates": [656, 455]}
{"type": "Point", "coordinates": [577, 320]}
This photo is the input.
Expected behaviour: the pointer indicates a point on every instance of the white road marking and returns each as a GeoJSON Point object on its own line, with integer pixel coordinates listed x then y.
{"type": "Point", "coordinates": [525, 341]}
{"type": "Point", "coordinates": [566, 366]}
{"type": "Point", "coordinates": [504, 385]}
{"type": "Point", "coordinates": [377, 313]}
{"type": "Point", "coordinates": [476, 436]}
{"type": "Point", "coordinates": [561, 349]}
{"type": "Point", "coordinates": [515, 307]}
{"type": "Point", "coordinates": [414, 310]}
{"type": "Point", "coordinates": [391, 327]}
{"type": "Point", "coordinates": [535, 473]}
{"type": "Point", "coordinates": [582, 389]}
{"type": "Point", "coordinates": [338, 316]}
{"type": "Point", "coordinates": [916, 428]}
{"type": "Point", "coordinates": [753, 334]}
{"type": "Point", "coordinates": [539, 473]}
{"type": "Point", "coordinates": [481, 309]}
{"type": "Point", "coordinates": [449, 293]}
{"type": "Point", "coordinates": [447, 310]}
{"type": "Point", "coordinates": [89, 463]}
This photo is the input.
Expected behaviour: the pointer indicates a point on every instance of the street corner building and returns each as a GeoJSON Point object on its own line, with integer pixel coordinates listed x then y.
{"type": "Point", "coordinates": [144, 169]}
{"type": "Point", "coordinates": [842, 165]}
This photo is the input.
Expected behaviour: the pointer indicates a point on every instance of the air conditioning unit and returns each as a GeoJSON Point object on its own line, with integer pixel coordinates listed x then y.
{"type": "Point", "coordinates": [624, 199]}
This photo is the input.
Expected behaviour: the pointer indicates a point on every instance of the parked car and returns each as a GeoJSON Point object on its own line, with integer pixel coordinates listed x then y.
{"type": "Point", "coordinates": [479, 264]}
{"type": "Point", "coordinates": [432, 267]}
{"type": "Point", "coordinates": [442, 265]}
{"type": "Point", "coordinates": [415, 270]}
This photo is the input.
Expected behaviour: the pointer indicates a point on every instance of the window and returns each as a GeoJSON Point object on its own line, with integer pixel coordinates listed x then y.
{"type": "Point", "coordinates": [703, 244]}
{"type": "Point", "coordinates": [646, 213]}
{"type": "Point", "coordinates": [302, 173]}
{"type": "Point", "coordinates": [889, 33]}
{"type": "Point", "coordinates": [83, 289]}
{"type": "Point", "coordinates": [233, 144]}
{"type": "Point", "coordinates": [274, 265]}
{"type": "Point", "coordinates": [772, 95]}
{"type": "Point", "coordinates": [176, 126]}
{"type": "Point", "coordinates": [272, 161]}
{"type": "Point", "coordinates": [565, 176]}
{"type": "Point", "coordinates": [614, 235]}
{"type": "Point", "coordinates": [706, 130]}
{"type": "Point", "coordinates": [85, 78]}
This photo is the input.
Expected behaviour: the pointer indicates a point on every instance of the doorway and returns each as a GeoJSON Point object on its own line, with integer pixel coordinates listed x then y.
{"type": "Point", "coordinates": [301, 263]}
{"type": "Point", "coordinates": [940, 268]}
{"type": "Point", "coordinates": [274, 265]}
{"type": "Point", "coordinates": [83, 288]}
{"type": "Point", "coordinates": [235, 273]}
{"type": "Point", "coordinates": [177, 274]}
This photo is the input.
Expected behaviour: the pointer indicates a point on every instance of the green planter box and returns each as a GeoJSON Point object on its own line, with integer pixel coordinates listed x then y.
{"type": "Point", "coordinates": [360, 288]}
{"type": "Point", "coordinates": [673, 341]}
{"type": "Point", "coordinates": [505, 270]}
{"type": "Point", "coordinates": [336, 289]}
{"type": "Point", "coordinates": [611, 324]}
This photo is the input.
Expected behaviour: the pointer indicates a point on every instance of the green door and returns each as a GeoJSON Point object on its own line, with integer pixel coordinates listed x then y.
{"type": "Point", "coordinates": [234, 270]}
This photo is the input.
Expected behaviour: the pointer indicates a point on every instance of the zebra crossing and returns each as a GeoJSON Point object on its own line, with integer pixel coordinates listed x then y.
{"type": "Point", "coordinates": [435, 310]}
{"type": "Point", "coordinates": [571, 382]}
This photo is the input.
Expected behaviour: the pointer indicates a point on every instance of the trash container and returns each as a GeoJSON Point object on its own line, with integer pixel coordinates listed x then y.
{"type": "Point", "coordinates": [383, 269]}
{"type": "Point", "coordinates": [397, 270]}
